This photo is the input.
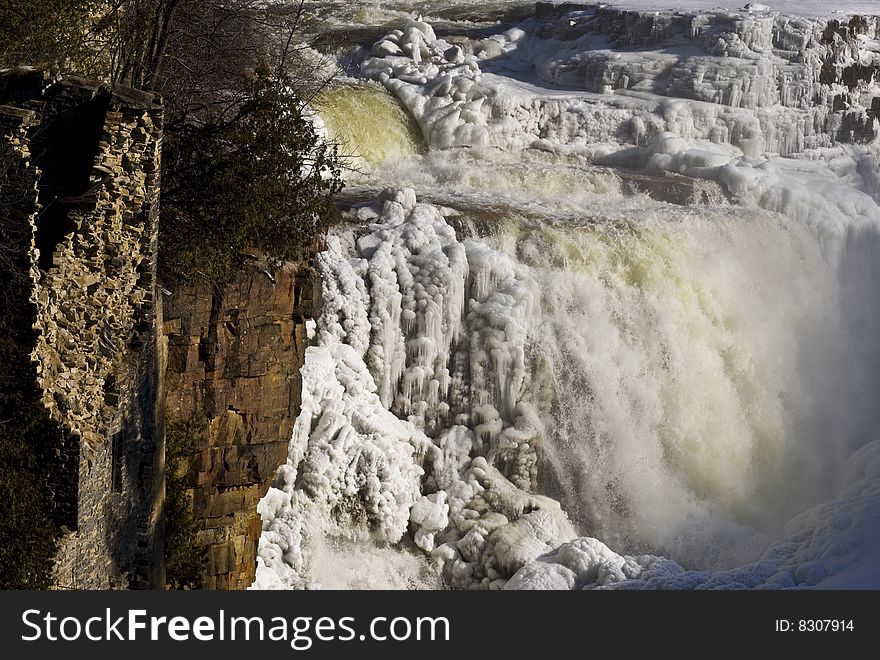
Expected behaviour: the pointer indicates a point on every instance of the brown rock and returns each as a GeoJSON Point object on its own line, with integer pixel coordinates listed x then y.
{"type": "Point", "coordinates": [234, 358]}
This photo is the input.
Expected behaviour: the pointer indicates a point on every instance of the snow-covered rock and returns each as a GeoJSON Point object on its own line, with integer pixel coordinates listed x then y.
{"type": "Point", "coordinates": [761, 82]}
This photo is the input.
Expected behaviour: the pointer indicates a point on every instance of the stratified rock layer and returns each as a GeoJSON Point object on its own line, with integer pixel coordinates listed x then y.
{"type": "Point", "coordinates": [234, 359]}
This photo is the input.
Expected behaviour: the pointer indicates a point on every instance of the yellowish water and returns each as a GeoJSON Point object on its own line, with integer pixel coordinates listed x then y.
{"type": "Point", "coordinates": [369, 125]}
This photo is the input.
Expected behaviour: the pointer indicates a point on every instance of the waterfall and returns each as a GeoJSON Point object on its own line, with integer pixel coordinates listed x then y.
{"type": "Point", "coordinates": [368, 125]}
{"type": "Point", "coordinates": [683, 381]}
{"type": "Point", "coordinates": [707, 378]}
{"type": "Point", "coordinates": [529, 372]}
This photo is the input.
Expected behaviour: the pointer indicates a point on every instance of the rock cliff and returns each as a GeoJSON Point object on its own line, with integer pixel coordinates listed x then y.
{"type": "Point", "coordinates": [234, 359]}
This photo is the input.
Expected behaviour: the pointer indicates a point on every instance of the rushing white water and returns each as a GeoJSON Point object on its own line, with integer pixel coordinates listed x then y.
{"type": "Point", "coordinates": [368, 125]}
{"type": "Point", "coordinates": [516, 326]}
{"type": "Point", "coordinates": [708, 378]}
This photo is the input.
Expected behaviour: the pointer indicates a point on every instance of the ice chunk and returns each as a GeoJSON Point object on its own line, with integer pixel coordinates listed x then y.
{"type": "Point", "coordinates": [429, 515]}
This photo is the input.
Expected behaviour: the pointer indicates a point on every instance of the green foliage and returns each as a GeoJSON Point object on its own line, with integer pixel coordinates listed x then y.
{"type": "Point", "coordinates": [184, 556]}
{"type": "Point", "coordinates": [61, 33]}
{"type": "Point", "coordinates": [256, 180]}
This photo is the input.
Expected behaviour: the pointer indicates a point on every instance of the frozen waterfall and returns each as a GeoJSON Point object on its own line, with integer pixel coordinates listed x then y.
{"type": "Point", "coordinates": [533, 371]}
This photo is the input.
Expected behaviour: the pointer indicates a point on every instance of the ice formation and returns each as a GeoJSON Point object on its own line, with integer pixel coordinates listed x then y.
{"type": "Point", "coordinates": [350, 471]}
{"type": "Point", "coordinates": [459, 460]}
{"type": "Point", "coordinates": [528, 373]}
{"type": "Point", "coordinates": [596, 76]}
{"type": "Point", "coordinates": [396, 336]}
{"type": "Point", "coordinates": [719, 96]}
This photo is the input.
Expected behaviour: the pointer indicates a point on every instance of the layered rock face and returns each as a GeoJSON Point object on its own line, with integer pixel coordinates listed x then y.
{"type": "Point", "coordinates": [234, 359]}
{"type": "Point", "coordinates": [89, 217]}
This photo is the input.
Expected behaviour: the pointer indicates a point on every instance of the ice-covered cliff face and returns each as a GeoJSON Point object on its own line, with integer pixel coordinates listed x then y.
{"type": "Point", "coordinates": [597, 79]}
{"type": "Point", "coordinates": [529, 364]}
